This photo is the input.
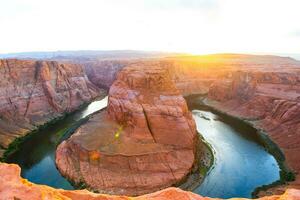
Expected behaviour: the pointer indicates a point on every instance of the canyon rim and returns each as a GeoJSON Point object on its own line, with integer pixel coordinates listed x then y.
{"type": "Point", "coordinates": [149, 99]}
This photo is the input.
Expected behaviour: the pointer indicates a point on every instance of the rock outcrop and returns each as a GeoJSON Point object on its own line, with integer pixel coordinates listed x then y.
{"type": "Point", "coordinates": [143, 109]}
{"type": "Point", "coordinates": [13, 187]}
{"type": "Point", "coordinates": [35, 92]}
{"type": "Point", "coordinates": [269, 100]}
{"type": "Point", "coordinates": [144, 142]}
{"type": "Point", "coordinates": [264, 90]}
{"type": "Point", "coordinates": [103, 72]}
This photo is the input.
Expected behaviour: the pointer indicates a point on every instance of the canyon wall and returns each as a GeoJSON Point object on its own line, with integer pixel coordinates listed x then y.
{"type": "Point", "coordinates": [103, 72]}
{"type": "Point", "coordinates": [270, 101]}
{"type": "Point", "coordinates": [264, 90]}
{"type": "Point", "coordinates": [194, 78]}
{"type": "Point", "coordinates": [13, 187]}
{"type": "Point", "coordinates": [35, 92]}
{"type": "Point", "coordinates": [191, 74]}
{"type": "Point", "coordinates": [145, 141]}
{"type": "Point", "coordinates": [261, 89]}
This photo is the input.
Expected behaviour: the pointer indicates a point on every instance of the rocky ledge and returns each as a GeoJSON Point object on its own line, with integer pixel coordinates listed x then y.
{"type": "Point", "coordinates": [268, 100]}
{"type": "Point", "coordinates": [13, 187]}
{"type": "Point", "coordinates": [35, 92]}
{"type": "Point", "coordinates": [144, 142]}
{"type": "Point", "coordinates": [262, 90]}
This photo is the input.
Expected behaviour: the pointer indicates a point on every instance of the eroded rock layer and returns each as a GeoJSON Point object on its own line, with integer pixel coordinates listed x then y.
{"type": "Point", "coordinates": [34, 92]}
{"type": "Point", "coordinates": [264, 90]}
{"type": "Point", "coordinates": [144, 142]}
{"type": "Point", "coordinates": [103, 72]}
{"type": "Point", "coordinates": [13, 187]}
{"type": "Point", "coordinates": [270, 101]}
{"type": "Point", "coordinates": [260, 89]}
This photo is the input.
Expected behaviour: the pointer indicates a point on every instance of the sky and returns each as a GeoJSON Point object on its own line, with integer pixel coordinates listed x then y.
{"type": "Point", "coordinates": [191, 26]}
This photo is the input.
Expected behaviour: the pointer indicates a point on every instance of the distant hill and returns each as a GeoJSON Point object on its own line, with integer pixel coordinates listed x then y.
{"type": "Point", "coordinates": [296, 56]}
{"type": "Point", "coordinates": [89, 55]}
{"type": "Point", "coordinates": [238, 58]}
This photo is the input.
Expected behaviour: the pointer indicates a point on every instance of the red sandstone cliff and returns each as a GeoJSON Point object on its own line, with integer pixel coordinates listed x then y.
{"type": "Point", "coordinates": [13, 187]}
{"type": "Point", "coordinates": [266, 92]}
{"type": "Point", "coordinates": [145, 142]}
{"type": "Point", "coordinates": [195, 74]}
{"type": "Point", "coordinates": [264, 89]}
{"type": "Point", "coordinates": [34, 92]}
{"type": "Point", "coordinates": [271, 101]}
{"type": "Point", "coordinates": [103, 72]}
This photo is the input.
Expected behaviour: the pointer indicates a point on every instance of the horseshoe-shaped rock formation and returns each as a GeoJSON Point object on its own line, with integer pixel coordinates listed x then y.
{"type": "Point", "coordinates": [143, 142]}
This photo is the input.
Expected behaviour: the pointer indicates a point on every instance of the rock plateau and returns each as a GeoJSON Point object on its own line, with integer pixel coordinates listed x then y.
{"type": "Point", "coordinates": [146, 141]}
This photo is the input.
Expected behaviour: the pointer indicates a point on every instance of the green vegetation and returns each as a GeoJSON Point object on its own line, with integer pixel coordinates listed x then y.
{"type": "Point", "coordinates": [66, 133]}
{"type": "Point", "coordinates": [211, 153]}
{"type": "Point", "coordinates": [203, 170]}
{"type": "Point", "coordinates": [204, 160]}
{"type": "Point", "coordinates": [286, 175]}
{"type": "Point", "coordinates": [81, 186]}
{"type": "Point", "coordinates": [14, 146]}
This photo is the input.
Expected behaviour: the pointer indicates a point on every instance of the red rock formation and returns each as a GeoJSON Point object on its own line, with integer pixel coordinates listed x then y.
{"type": "Point", "coordinates": [34, 92]}
{"type": "Point", "coordinates": [103, 72]}
{"type": "Point", "coordinates": [193, 77]}
{"type": "Point", "coordinates": [13, 187]}
{"type": "Point", "coordinates": [195, 74]}
{"type": "Point", "coordinates": [270, 100]}
{"type": "Point", "coordinates": [145, 141]}
{"type": "Point", "coordinates": [262, 89]}
{"type": "Point", "coordinates": [253, 88]}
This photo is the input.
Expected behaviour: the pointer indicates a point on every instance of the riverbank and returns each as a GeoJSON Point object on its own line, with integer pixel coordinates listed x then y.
{"type": "Point", "coordinates": [14, 146]}
{"type": "Point", "coordinates": [47, 137]}
{"type": "Point", "coordinates": [203, 164]}
{"type": "Point", "coordinates": [196, 176]}
{"type": "Point", "coordinates": [286, 175]}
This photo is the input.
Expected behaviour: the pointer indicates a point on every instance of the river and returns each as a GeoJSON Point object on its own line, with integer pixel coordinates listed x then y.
{"type": "Point", "coordinates": [241, 164]}
{"type": "Point", "coordinates": [36, 156]}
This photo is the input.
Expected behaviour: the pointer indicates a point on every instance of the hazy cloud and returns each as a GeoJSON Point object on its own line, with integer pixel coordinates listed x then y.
{"type": "Point", "coordinates": [296, 33]}
{"type": "Point", "coordinates": [182, 4]}
{"type": "Point", "coordinates": [197, 26]}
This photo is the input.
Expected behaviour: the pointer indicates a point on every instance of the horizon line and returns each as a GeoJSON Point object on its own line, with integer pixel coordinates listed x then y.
{"type": "Point", "coordinates": [291, 55]}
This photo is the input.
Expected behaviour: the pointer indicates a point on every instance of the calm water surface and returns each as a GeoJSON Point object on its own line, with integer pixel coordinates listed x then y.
{"type": "Point", "coordinates": [241, 164]}
{"type": "Point", "coordinates": [36, 156]}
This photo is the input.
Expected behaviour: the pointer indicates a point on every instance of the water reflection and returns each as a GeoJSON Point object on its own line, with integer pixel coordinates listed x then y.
{"type": "Point", "coordinates": [36, 156]}
{"type": "Point", "coordinates": [241, 164]}
{"type": "Point", "coordinates": [94, 107]}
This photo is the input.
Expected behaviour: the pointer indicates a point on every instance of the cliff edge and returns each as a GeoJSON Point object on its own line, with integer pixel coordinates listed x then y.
{"type": "Point", "coordinates": [35, 92]}
{"type": "Point", "coordinates": [145, 141]}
